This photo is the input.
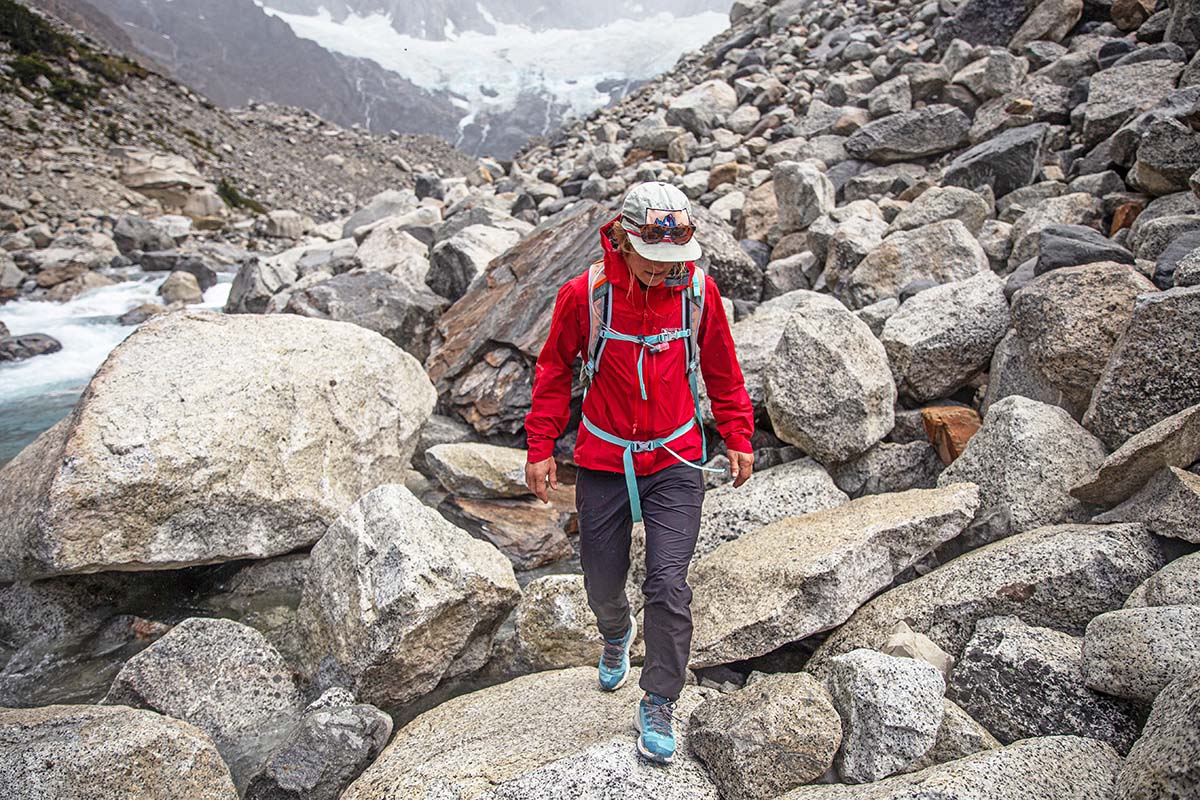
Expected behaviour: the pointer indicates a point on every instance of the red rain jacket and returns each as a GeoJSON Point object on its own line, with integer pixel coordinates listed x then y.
{"type": "Point", "coordinates": [614, 402]}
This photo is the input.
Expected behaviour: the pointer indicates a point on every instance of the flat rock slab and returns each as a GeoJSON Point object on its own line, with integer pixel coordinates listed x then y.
{"type": "Point", "coordinates": [483, 471]}
{"type": "Point", "coordinates": [806, 574]}
{"type": "Point", "coordinates": [257, 432]}
{"type": "Point", "coordinates": [547, 736]}
{"type": "Point", "coordinates": [103, 753]}
{"type": "Point", "coordinates": [1169, 505]}
{"type": "Point", "coordinates": [1058, 767]}
{"type": "Point", "coordinates": [1060, 576]}
{"type": "Point", "coordinates": [1172, 442]}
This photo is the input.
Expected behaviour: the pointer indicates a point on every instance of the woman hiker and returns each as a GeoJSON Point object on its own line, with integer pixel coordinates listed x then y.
{"type": "Point", "coordinates": [644, 318]}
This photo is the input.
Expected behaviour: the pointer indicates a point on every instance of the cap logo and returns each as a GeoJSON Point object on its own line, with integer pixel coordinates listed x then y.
{"type": "Point", "coordinates": [667, 218]}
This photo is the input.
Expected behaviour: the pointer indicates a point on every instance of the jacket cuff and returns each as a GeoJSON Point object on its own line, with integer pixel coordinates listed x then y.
{"type": "Point", "coordinates": [540, 450]}
{"type": "Point", "coordinates": [739, 443]}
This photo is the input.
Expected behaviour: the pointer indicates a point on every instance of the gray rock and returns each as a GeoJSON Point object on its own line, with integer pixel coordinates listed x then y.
{"type": "Point", "coordinates": [323, 754]}
{"type": "Point", "coordinates": [1118, 93]}
{"type": "Point", "coordinates": [991, 22]}
{"type": "Point", "coordinates": [1033, 769]}
{"type": "Point", "coordinates": [941, 338]}
{"type": "Point", "coordinates": [221, 676]}
{"type": "Point", "coordinates": [941, 203]}
{"type": "Point", "coordinates": [958, 737]}
{"type": "Point", "coordinates": [829, 389]}
{"type": "Point", "coordinates": [19, 348]}
{"type": "Point", "coordinates": [1169, 505]}
{"type": "Point", "coordinates": [287, 224]}
{"type": "Point", "coordinates": [774, 735]}
{"type": "Point", "coordinates": [1069, 320]}
{"type": "Point", "coordinates": [891, 711]}
{"type": "Point", "coordinates": [889, 467]}
{"type": "Point", "coordinates": [788, 490]}
{"type": "Point", "coordinates": [803, 193]}
{"type": "Point", "coordinates": [1151, 374]}
{"type": "Point", "coordinates": [736, 273]}
{"type": "Point", "coordinates": [940, 253]}
{"type": "Point", "coordinates": [1187, 270]}
{"type": "Point", "coordinates": [1025, 458]}
{"type": "Point", "coordinates": [1005, 162]}
{"type": "Point", "coordinates": [1050, 20]}
{"type": "Point", "coordinates": [1176, 584]}
{"type": "Point", "coordinates": [1166, 157]}
{"type": "Point", "coordinates": [98, 753]}
{"type": "Point", "coordinates": [1135, 653]}
{"type": "Point", "coordinates": [1177, 252]}
{"type": "Point", "coordinates": [702, 108]}
{"type": "Point", "coordinates": [1165, 761]}
{"type": "Point", "coordinates": [1076, 208]}
{"type": "Point", "coordinates": [405, 313]}
{"type": "Point", "coordinates": [891, 97]}
{"type": "Point", "coordinates": [398, 599]}
{"type": "Point", "coordinates": [1060, 576]}
{"type": "Point", "coordinates": [749, 600]}
{"type": "Point", "coordinates": [343, 402]}
{"type": "Point", "coordinates": [876, 315]}
{"type": "Point", "coordinates": [850, 243]}
{"type": "Point", "coordinates": [1070, 245]}
{"type": "Point", "coordinates": [181, 287]}
{"type": "Point", "coordinates": [389, 203]}
{"type": "Point", "coordinates": [550, 736]}
{"type": "Point", "coordinates": [473, 469]}
{"type": "Point", "coordinates": [1022, 681]}
{"type": "Point", "coordinates": [909, 135]}
{"type": "Point", "coordinates": [390, 247]}
{"type": "Point", "coordinates": [555, 627]}
{"type": "Point", "coordinates": [454, 263]}
{"type": "Point", "coordinates": [137, 233]}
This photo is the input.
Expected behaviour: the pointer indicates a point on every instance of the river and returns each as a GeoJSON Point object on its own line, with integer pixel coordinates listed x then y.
{"type": "Point", "coordinates": [38, 392]}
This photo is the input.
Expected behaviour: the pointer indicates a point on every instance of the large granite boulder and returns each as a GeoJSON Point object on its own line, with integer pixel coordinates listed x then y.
{"type": "Point", "coordinates": [736, 274]}
{"type": "Point", "coordinates": [1059, 767]}
{"type": "Point", "coordinates": [1022, 681]}
{"type": "Point", "coordinates": [555, 627]}
{"type": "Point", "coordinates": [397, 599]}
{"type": "Point", "coordinates": [1165, 761]}
{"type": "Point", "coordinates": [473, 469]}
{"type": "Point", "coordinates": [803, 193]}
{"type": "Point", "coordinates": [940, 203]}
{"type": "Point", "coordinates": [1025, 459]}
{"type": "Point", "coordinates": [174, 182]}
{"type": "Point", "coordinates": [1005, 162]}
{"type": "Point", "coordinates": [958, 737]}
{"type": "Point", "coordinates": [940, 252]}
{"type": "Point", "coordinates": [1135, 652]}
{"type": "Point", "coordinates": [891, 711]}
{"type": "Point", "coordinates": [803, 575]}
{"type": "Point", "coordinates": [486, 344]}
{"type": "Point", "coordinates": [1152, 373]}
{"type": "Point", "coordinates": [551, 736]}
{"type": "Point", "coordinates": [1169, 505]}
{"type": "Point", "coordinates": [456, 262]}
{"type": "Point", "coordinates": [403, 312]}
{"type": "Point", "coordinates": [1176, 584]}
{"type": "Point", "coordinates": [829, 389]}
{"type": "Point", "coordinates": [779, 732]}
{"type": "Point", "coordinates": [389, 247]}
{"type": "Point", "coordinates": [890, 467]}
{"type": "Point", "coordinates": [102, 753]}
{"type": "Point", "coordinates": [221, 676]}
{"type": "Point", "coordinates": [942, 337]}
{"type": "Point", "coordinates": [1119, 92]}
{"type": "Point", "coordinates": [788, 490]}
{"type": "Point", "coordinates": [702, 108]}
{"type": "Point", "coordinates": [1069, 320]}
{"type": "Point", "coordinates": [339, 407]}
{"type": "Point", "coordinates": [1060, 576]}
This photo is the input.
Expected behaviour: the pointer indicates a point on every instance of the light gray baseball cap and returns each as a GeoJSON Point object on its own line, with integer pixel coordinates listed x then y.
{"type": "Point", "coordinates": [662, 204]}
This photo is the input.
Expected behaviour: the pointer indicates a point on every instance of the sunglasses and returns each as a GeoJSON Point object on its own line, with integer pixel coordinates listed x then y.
{"type": "Point", "coordinates": [676, 234]}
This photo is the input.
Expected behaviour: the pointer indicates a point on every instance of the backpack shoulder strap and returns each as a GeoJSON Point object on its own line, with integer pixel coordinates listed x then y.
{"type": "Point", "coordinates": [599, 302]}
{"type": "Point", "coordinates": [693, 312]}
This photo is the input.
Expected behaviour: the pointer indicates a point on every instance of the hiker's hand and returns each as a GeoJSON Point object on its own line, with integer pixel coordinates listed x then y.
{"type": "Point", "coordinates": [741, 465]}
{"type": "Point", "coordinates": [539, 474]}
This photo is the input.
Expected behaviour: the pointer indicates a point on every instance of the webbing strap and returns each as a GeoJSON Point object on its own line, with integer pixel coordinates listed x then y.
{"type": "Point", "coordinates": [652, 340]}
{"type": "Point", "coordinates": [631, 447]}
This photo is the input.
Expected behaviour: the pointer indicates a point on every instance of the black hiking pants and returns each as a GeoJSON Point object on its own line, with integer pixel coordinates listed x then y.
{"type": "Point", "coordinates": [671, 500]}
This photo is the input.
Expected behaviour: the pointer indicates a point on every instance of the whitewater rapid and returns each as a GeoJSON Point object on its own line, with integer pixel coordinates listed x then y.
{"type": "Point", "coordinates": [37, 392]}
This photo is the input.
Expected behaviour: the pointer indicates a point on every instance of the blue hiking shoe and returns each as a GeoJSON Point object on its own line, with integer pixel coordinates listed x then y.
{"type": "Point", "coordinates": [614, 661]}
{"type": "Point", "coordinates": [655, 723]}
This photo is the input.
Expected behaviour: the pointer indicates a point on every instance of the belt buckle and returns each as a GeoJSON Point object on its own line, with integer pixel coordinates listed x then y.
{"type": "Point", "coordinates": [641, 447]}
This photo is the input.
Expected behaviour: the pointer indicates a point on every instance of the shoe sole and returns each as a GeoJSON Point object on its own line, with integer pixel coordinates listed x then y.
{"type": "Point", "coordinates": [628, 666]}
{"type": "Point", "coordinates": [642, 751]}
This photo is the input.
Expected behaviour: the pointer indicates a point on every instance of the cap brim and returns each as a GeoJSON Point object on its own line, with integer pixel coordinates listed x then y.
{"type": "Point", "coordinates": [667, 251]}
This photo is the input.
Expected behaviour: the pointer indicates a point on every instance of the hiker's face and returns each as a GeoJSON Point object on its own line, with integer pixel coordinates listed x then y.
{"type": "Point", "coordinates": [651, 273]}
